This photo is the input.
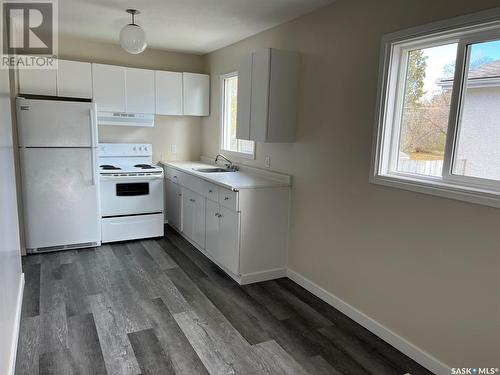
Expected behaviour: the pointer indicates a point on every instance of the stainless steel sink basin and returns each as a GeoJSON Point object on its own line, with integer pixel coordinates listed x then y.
{"type": "Point", "coordinates": [212, 170]}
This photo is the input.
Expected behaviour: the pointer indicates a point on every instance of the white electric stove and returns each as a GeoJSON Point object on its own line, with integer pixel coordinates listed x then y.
{"type": "Point", "coordinates": [131, 192]}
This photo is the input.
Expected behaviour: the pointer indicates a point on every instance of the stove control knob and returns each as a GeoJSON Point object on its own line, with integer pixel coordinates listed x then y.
{"type": "Point", "coordinates": [135, 148]}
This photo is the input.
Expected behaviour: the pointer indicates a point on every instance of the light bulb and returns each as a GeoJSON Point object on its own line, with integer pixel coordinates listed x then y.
{"type": "Point", "coordinates": [133, 39]}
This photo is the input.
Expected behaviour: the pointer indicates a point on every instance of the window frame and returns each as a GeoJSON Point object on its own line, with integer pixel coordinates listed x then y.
{"type": "Point", "coordinates": [229, 153]}
{"type": "Point", "coordinates": [465, 30]}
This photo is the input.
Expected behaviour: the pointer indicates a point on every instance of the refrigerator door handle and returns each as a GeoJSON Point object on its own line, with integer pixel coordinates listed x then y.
{"type": "Point", "coordinates": [92, 143]}
{"type": "Point", "coordinates": [93, 128]}
{"type": "Point", "coordinates": [93, 166]}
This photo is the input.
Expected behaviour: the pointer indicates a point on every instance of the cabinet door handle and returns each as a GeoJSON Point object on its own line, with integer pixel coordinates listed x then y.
{"type": "Point", "coordinates": [180, 195]}
{"type": "Point", "coordinates": [217, 214]}
{"type": "Point", "coordinates": [192, 200]}
{"type": "Point", "coordinates": [175, 176]}
{"type": "Point", "coordinates": [226, 198]}
{"type": "Point", "coordinates": [210, 191]}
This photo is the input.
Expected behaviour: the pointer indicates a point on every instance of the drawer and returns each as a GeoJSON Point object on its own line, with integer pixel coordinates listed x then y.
{"type": "Point", "coordinates": [211, 191]}
{"type": "Point", "coordinates": [229, 199]}
{"type": "Point", "coordinates": [131, 227]}
{"type": "Point", "coordinates": [173, 174]}
{"type": "Point", "coordinates": [194, 183]}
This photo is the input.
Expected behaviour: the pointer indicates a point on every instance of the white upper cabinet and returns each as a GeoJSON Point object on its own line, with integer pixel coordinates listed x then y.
{"type": "Point", "coordinates": [108, 83]}
{"type": "Point", "coordinates": [120, 89]}
{"type": "Point", "coordinates": [196, 94]}
{"type": "Point", "coordinates": [168, 93]}
{"type": "Point", "coordinates": [267, 96]}
{"type": "Point", "coordinates": [244, 97]}
{"type": "Point", "coordinates": [38, 81]}
{"type": "Point", "coordinates": [140, 90]}
{"type": "Point", "coordinates": [71, 79]}
{"type": "Point", "coordinates": [74, 79]}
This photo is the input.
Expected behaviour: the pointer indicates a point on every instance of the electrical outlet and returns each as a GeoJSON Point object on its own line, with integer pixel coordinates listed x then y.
{"type": "Point", "coordinates": [173, 148]}
{"type": "Point", "coordinates": [268, 162]}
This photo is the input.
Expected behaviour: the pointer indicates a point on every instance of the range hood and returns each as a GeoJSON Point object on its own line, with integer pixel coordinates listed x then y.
{"type": "Point", "coordinates": [126, 119]}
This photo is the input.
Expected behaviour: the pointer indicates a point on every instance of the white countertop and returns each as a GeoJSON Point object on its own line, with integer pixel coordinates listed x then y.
{"type": "Point", "coordinates": [242, 179]}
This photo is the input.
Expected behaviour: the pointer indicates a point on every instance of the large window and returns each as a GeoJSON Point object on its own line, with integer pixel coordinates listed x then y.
{"type": "Point", "coordinates": [229, 143]}
{"type": "Point", "coordinates": [438, 128]}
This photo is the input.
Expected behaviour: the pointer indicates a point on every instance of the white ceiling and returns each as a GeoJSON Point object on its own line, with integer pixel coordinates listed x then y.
{"type": "Point", "coordinates": [196, 26]}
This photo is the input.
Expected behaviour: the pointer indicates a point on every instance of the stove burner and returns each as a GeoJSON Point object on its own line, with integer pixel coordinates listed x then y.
{"type": "Point", "coordinates": [144, 166]}
{"type": "Point", "coordinates": [109, 167]}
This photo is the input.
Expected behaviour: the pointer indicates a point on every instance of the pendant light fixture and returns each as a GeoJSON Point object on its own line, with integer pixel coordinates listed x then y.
{"type": "Point", "coordinates": [132, 36]}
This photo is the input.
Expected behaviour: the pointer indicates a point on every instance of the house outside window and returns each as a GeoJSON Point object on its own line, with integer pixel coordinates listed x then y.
{"type": "Point", "coordinates": [229, 99]}
{"type": "Point", "coordinates": [438, 123]}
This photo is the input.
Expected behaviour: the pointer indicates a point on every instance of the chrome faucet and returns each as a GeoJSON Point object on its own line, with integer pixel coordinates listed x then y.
{"type": "Point", "coordinates": [229, 164]}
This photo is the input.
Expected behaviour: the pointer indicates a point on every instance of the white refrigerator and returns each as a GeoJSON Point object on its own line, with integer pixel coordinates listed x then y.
{"type": "Point", "coordinates": [59, 174]}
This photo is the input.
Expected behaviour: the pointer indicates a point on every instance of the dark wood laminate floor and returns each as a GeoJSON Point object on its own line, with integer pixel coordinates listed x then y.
{"type": "Point", "coordinates": [161, 307]}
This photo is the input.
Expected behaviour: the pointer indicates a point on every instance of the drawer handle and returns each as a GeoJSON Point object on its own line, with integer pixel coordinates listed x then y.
{"type": "Point", "coordinates": [210, 191]}
{"type": "Point", "coordinates": [192, 200]}
{"type": "Point", "coordinates": [180, 195]}
{"type": "Point", "coordinates": [175, 176]}
{"type": "Point", "coordinates": [226, 198]}
{"type": "Point", "coordinates": [218, 214]}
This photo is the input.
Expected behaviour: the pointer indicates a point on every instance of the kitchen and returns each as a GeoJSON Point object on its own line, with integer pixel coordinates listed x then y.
{"type": "Point", "coordinates": [159, 237]}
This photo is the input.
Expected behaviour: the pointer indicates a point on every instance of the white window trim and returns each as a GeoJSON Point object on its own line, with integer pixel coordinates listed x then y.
{"type": "Point", "coordinates": [463, 188]}
{"type": "Point", "coordinates": [229, 153]}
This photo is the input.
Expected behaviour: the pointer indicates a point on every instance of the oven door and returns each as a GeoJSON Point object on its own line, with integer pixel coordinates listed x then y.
{"type": "Point", "coordinates": [131, 195]}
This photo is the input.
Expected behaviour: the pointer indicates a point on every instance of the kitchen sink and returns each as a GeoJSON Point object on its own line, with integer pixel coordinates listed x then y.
{"type": "Point", "coordinates": [213, 170]}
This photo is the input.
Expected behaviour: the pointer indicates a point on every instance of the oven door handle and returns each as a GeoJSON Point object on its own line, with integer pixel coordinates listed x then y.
{"type": "Point", "coordinates": [117, 178]}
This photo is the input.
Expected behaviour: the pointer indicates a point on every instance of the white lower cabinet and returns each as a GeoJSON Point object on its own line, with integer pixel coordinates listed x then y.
{"type": "Point", "coordinates": [193, 216]}
{"type": "Point", "coordinates": [229, 240]}
{"type": "Point", "coordinates": [212, 227]}
{"type": "Point", "coordinates": [223, 236]}
{"type": "Point", "coordinates": [173, 202]}
{"type": "Point", "coordinates": [245, 232]}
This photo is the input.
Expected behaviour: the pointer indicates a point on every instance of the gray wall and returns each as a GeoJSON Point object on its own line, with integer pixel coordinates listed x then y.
{"type": "Point", "coordinates": [10, 255]}
{"type": "Point", "coordinates": [425, 267]}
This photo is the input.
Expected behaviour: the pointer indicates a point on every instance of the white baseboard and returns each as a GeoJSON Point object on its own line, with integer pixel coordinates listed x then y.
{"type": "Point", "coordinates": [418, 355]}
{"type": "Point", "coordinates": [17, 328]}
{"type": "Point", "coordinates": [256, 277]}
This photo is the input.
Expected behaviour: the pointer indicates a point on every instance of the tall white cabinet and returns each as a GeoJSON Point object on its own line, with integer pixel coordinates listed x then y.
{"type": "Point", "coordinates": [268, 82]}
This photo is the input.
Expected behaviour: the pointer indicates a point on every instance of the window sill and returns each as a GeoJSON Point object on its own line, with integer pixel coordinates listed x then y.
{"type": "Point", "coordinates": [440, 189]}
{"type": "Point", "coordinates": [236, 154]}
